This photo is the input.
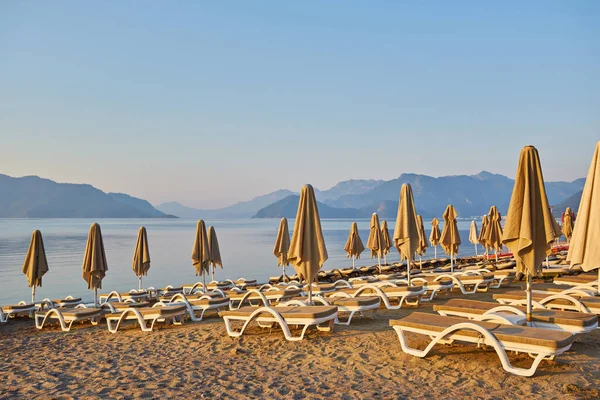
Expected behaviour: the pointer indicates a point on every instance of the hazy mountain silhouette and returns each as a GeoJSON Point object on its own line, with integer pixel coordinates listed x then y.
{"type": "Point", "coordinates": [35, 197]}
{"type": "Point", "coordinates": [572, 201]}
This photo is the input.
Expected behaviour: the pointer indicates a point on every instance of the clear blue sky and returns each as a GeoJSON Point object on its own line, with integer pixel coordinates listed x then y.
{"type": "Point", "coordinates": [212, 102]}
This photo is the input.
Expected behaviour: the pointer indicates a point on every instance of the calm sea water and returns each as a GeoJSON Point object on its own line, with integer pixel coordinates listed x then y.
{"type": "Point", "coordinates": [246, 249]}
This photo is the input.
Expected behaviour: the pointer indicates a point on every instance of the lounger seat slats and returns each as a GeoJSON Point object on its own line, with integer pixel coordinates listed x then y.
{"type": "Point", "coordinates": [505, 333]}
{"type": "Point", "coordinates": [17, 307]}
{"type": "Point", "coordinates": [592, 302]}
{"type": "Point", "coordinates": [155, 312]}
{"type": "Point", "coordinates": [76, 313]}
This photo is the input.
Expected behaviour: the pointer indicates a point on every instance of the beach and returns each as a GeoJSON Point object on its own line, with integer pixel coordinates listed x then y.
{"type": "Point", "coordinates": [363, 360]}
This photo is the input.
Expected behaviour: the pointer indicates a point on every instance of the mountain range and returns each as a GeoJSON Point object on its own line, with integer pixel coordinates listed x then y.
{"type": "Point", "coordinates": [472, 195]}
{"type": "Point", "coordinates": [35, 197]}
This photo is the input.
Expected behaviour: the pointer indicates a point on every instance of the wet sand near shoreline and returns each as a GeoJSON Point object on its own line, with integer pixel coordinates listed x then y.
{"type": "Point", "coordinates": [363, 360]}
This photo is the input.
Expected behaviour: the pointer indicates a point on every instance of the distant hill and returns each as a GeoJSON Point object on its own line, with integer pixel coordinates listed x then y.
{"type": "Point", "coordinates": [349, 187]}
{"type": "Point", "coordinates": [572, 202]}
{"type": "Point", "coordinates": [244, 209]}
{"type": "Point", "coordinates": [288, 207]}
{"type": "Point", "coordinates": [35, 197]}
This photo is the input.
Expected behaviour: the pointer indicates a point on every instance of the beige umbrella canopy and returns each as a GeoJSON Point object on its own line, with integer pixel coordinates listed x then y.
{"type": "Point", "coordinates": [141, 256]}
{"type": "Point", "coordinates": [387, 242]}
{"type": "Point", "coordinates": [567, 228]}
{"type": "Point", "coordinates": [423, 243]}
{"type": "Point", "coordinates": [94, 265]}
{"type": "Point", "coordinates": [375, 240]}
{"type": "Point", "coordinates": [493, 232]}
{"type": "Point", "coordinates": [485, 223]}
{"type": "Point", "coordinates": [307, 249]}
{"type": "Point", "coordinates": [282, 245]}
{"type": "Point", "coordinates": [584, 249]}
{"type": "Point", "coordinates": [529, 231]}
{"type": "Point", "coordinates": [450, 239]}
{"type": "Point", "coordinates": [354, 245]}
{"type": "Point", "coordinates": [213, 250]}
{"type": "Point", "coordinates": [35, 265]}
{"type": "Point", "coordinates": [406, 232]}
{"type": "Point", "coordinates": [434, 236]}
{"type": "Point", "coordinates": [474, 235]}
{"type": "Point", "coordinates": [201, 252]}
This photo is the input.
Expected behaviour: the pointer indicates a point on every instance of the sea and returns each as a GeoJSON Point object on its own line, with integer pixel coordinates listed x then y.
{"type": "Point", "coordinates": [246, 250]}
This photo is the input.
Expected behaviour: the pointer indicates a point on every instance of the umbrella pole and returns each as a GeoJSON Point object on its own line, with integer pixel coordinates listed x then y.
{"type": "Point", "coordinates": [435, 252]}
{"type": "Point", "coordinates": [420, 262]}
{"type": "Point", "coordinates": [95, 297]}
{"type": "Point", "coordinates": [310, 293]}
{"type": "Point", "coordinates": [379, 262]}
{"type": "Point", "coordinates": [528, 298]}
{"type": "Point", "coordinates": [213, 273]}
{"type": "Point", "coordinates": [353, 258]}
{"type": "Point", "coordinates": [204, 281]}
{"type": "Point", "coordinates": [476, 250]}
{"type": "Point", "coordinates": [408, 270]}
{"type": "Point", "coordinates": [451, 262]}
{"type": "Point", "coordinates": [33, 294]}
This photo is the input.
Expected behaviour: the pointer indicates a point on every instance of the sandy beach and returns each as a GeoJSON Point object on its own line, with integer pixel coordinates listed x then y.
{"type": "Point", "coordinates": [363, 360]}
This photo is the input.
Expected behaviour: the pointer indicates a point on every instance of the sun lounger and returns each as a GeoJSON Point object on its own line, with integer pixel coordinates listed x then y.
{"type": "Point", "coordinates": [118, 306]}
{"type": "Point", "coordinates": [66, 316]}
{"type": "Point", "coordinates": [13, 310]}
{"type": "Point", "coordinates": [556, 301]}
{"type": "Point", "coordinates": [159, 312]}
{"type": "Point", "coordinates": [389, 294]}
{"type": "Point", "coordinates": [537, 342]}
{"type": "Point", "coordinates": [134, 295]}
{"type": "Point", "coordinates": [199, 303]}
{"type": "Point", "coordinates": [568, 321]}
{"type": "Point", "coordinates": [430, 284]}
{"type": "Point", "coordinates": [343, 301]}
{"type": "Point", "coordinates": [580, 281]}
{"type": "Point", "coordinates": [67, 302]}
{"type": "Point", "coordinates": [264, 295]}
{"type": "Point", "coordinates": [242, 283]}
{"type": "Point", "coordinates": [304, 316]}
{"type": "Point", "coordinates": [500, 278]}
{"type": "Point", "coordinates": [477, 282]}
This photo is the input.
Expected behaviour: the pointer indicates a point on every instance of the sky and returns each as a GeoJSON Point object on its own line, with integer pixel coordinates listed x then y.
{"type": "Point", "coordinates": [209, 102]}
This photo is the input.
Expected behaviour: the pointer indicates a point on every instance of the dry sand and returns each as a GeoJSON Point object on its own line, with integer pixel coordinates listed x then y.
{"type": "Point", "coordinates": [200, 360]}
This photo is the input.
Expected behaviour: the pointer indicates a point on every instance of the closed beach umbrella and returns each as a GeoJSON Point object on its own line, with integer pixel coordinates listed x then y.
{"type": "Point", "coordinates": [94, 265]}
{"type": "Point", "coordinates": [450, 239]}
{"type": "Point", "coordinates": [485, 223]}
{"type": "Point", "coordinates": [406, 232]}
{"type": "Point", "coordinates": [375, 240]}
{"type": "Point", "coordinates": [474, 235]}
{"type": "Point", "coordinates": [307, 249]}
{"type": "Point", "coordinates": [282, 245]}
{"type": "Point", "coordinates": [354, 245]}
{"type": "Point", "coordinates": [141, 256]}
{"type": "Point", "coordinates": [387, 242]}
{"type": "Point", "coordinates": [423, 244]}
{"type": "Point", "coordinates": [567, 228]}
{"type": "Point", "coordinates": [493, 233]}
{"type": "Point", "coordinates": [529, 231]}
{"type": "Point", "coordinates": [201, 252]}
{"type": "Point", "coordinates": [584, 249]}
{"type": "Point", "coordinates": [213, 250]}
{"type": "Point", "coordinates": [434, 236]}
{"type": "Point", "coordinates": [35, 265]}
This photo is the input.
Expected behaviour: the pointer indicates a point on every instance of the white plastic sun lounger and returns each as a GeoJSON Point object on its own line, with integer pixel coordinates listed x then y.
{"type": "Point", "coordinates": [557, 301]}
{"type": "Point", "coordinates": [304, 316]}
{"type": "Point", "coordinates": [66, 316]}
{"type": "Point", "coordinates": [463, 281]}
{"type": "Point", "coordinates": [343, 301]}
{"type": "Point", "coordinates": [67, 302]}
{"type": "Point", "coordinates": [388, 293]}
{"type": "Point", "coordinates": [569, 321]}
{"type": "Point", "coordinates": [159, 312]}
{"type": "Point", "coordinates": [13, 310]}
{"type": "Point", "coordinates": [501, 277]}
{"type": "Point", "coordinates": [199, 303]}
{"type": "Point", "coordinates": [430, 284]}
{"type": "Point", "coordinates": [134, 295]}
{"type": "Point", "coordinates": [537, 342]}
{"type": "Point", "coordinates": [264, 295]}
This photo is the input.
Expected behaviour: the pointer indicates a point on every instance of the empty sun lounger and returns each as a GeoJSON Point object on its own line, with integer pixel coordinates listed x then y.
{"type": "Point", "coordinates": [134, 295]}
{"type": "Point", "coordinates": [343, 301]}
{"type": "Point", "coordinates": [13, 310]}
{"type": "Point", "coordinates": [118, 306]}
{"type": "Point", "coordinates": [388, 294]}
{"type": "Point", "coordinates": [267, 294]}
{"type": "Point", "coordinates": [539, 343]}
{"type": "Point", "coordinates": [67, 302]}
{"type": "Point", "coordinates": [569, 321]}
{"type": "Point", "coordinates": [199, 303]}
{"type": "Point", "coordinates": [469, 283]}
{"type": "Point", "coordinates": [586, 280]}
{"type": "Point", "coordinates": [304, 316]}
{"type": "Point", "coordinates": [557, 301]}
{"type": "Point", "coordinates": [430, 284]}
{"type": "Point", "coordinates": [160, 312]}
{"type": "Point", "coordinates": [66, 316]}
